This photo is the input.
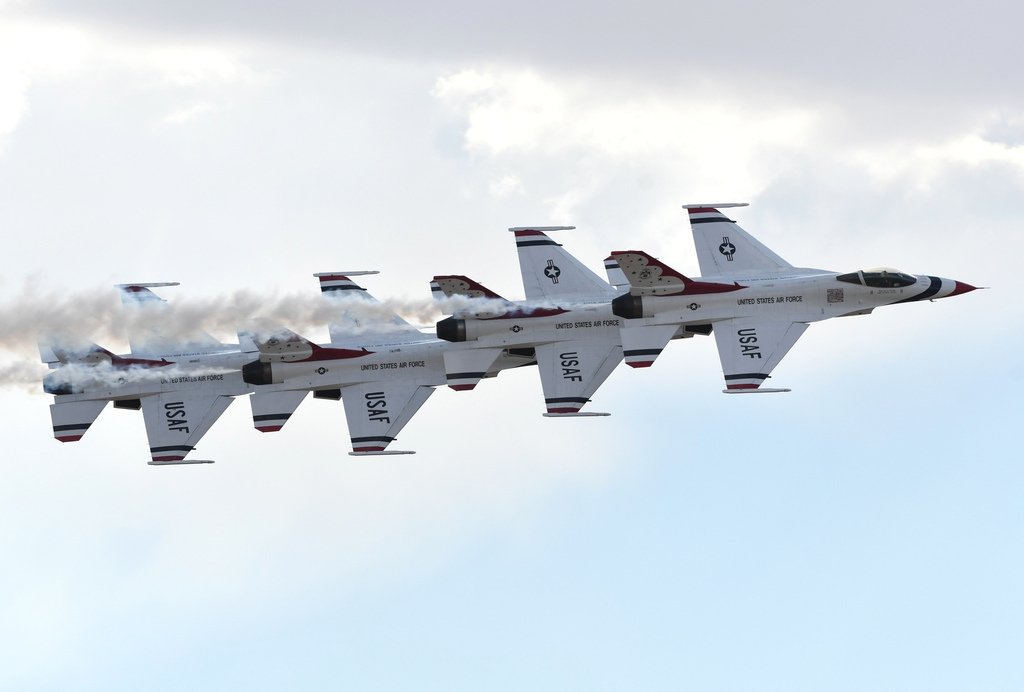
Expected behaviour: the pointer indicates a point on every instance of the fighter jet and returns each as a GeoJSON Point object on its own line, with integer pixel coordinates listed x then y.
{"type": "Point", "coordinates": [381, 367]}
{"type": "Point", "coordinates": [757, 303]}
{"type": "Point", "coordinates": [566, 320]}
{"type": "Point", "coordinates": [182, 383]}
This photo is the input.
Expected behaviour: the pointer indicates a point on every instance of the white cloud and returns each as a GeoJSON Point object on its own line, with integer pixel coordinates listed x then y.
{"type": "Point", "coordinates": [523, 113]}
{"type": "Point", "coordinates": [588, 135]}
{"type": "Point", "coordinates": [189, 113]}
{"type": "Point", "coordinates": [187, 66]}
{"type": "Point", "coordinates": [508, 184]}
{"type": "Point", "coordinates": [28, 49]}
{"type": "Point", "coordinates": [33, 51]}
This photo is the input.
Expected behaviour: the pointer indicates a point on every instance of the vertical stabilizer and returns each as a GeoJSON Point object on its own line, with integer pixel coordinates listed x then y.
{"type": "Point", "coordinates": [552, 273]}
{"type": "Point", "coordinates": [723, 248]}
{"type": "Point", "coordinates": [359, 316]}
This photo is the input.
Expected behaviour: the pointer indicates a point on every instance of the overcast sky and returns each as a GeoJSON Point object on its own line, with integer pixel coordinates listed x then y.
{"type": "Point", "coordinates": [861, 532]}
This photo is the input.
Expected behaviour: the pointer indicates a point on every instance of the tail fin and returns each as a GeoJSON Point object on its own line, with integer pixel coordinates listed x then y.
{"type": "Point", "coordinates": [723, 248]}
{"type": "Point", "coordinates": [153, 338]}
{"type": "Point", "coordinates": [550, 272]}
{"type": "Point", "coordinates": [362, 321]}
{"type": "Point", "coordinates": [616, 277]}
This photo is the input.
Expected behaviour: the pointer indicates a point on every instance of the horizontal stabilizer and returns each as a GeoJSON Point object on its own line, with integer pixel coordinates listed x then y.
{"type": "Point", "coordinates": [271, 410]}
{"type": "Point", "coordinates": [578, 414]}
{"type": "Point", "coordinates": [641, 345]}
{"type": "Point", "coordinates": [464, 368]}
{"type": "Point", "coordinates": [71, 419]}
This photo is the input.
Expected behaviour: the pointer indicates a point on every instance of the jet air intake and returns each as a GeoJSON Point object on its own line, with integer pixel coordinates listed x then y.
{"type": "Point", "coordinates": [628, 306]}
{"type": "Point", "coordinates": [451, 329]}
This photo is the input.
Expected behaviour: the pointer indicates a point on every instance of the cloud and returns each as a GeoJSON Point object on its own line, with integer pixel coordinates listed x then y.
{"type": "Point", "coordinates": [507, 185]}
{"type": "Point", "coordinates": [911, 48]}
{"type": "Point", "coordinates": [35, 51]}
{"type": "Point", "coordinates": [28, 49]}
{"type": "Point", "coordinates": [189, 113]}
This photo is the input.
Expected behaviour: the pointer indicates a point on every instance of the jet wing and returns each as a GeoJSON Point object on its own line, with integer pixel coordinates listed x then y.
{"type": "Point", "coordinates": [377, 411]}
{"type": "Point", "coordinates": [571, 371]}
{"type": "Point", "coordinates": [751, 348]}
{"type": "Point", "coordinates": [176, 421]}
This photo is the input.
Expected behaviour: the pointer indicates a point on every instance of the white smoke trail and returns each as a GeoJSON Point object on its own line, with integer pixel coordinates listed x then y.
{"type": "Point", "coordinates": [82, 376]}
{"type": "Point", "coordinates": [22, 374]}
{"type": "Point", "coordinates": [35, 316]}
{"type": "Point", "coordinates": [31, 315]}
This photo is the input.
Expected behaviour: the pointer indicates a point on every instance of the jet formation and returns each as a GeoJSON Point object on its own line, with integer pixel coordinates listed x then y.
{"type": "Point", "coordinates": [575, 326]}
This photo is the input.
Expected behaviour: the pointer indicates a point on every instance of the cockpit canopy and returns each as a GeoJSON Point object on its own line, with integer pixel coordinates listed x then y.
{"type": "Point", "coordinates": [882, 277]}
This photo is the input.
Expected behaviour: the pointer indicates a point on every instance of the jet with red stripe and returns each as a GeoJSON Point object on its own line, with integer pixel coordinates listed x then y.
{"type": "Point", "coordinates": [181, 381]}
{"type": "Point", "coordinates": [379, 366]}
{"type": "Point", "coordinates": [757, 303]}
{"type": "Point", "coordinates": [566, 321]}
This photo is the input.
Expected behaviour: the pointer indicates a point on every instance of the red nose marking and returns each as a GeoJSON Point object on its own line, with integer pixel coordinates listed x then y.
{"type": "Point", "coordinates": [961, 287]}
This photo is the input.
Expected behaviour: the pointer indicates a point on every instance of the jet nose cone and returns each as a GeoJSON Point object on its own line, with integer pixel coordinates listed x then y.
{"type": "Point", "coordinates": [961, 287]}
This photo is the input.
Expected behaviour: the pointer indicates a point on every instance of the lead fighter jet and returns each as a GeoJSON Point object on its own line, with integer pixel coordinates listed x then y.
{"type": "Point", "coordinates": [757, 303]}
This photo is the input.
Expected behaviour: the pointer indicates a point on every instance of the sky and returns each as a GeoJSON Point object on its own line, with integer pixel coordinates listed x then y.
{"type": "Point", "coordinates": [861, 532]}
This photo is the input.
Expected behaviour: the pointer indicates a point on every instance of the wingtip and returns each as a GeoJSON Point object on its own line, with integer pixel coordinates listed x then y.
{"type": "Point", "coordinates": [715, 205]}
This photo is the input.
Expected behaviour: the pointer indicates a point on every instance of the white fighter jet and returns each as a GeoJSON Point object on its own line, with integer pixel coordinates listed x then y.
{"type": "Point", "coordinates": [182, 383]}
{"type": "Point", "coordinates": [757, 303]}
{"type": "Point", "coordinates": [381, 367]}
{"type": "Point", "coordinates": [566, 320]}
